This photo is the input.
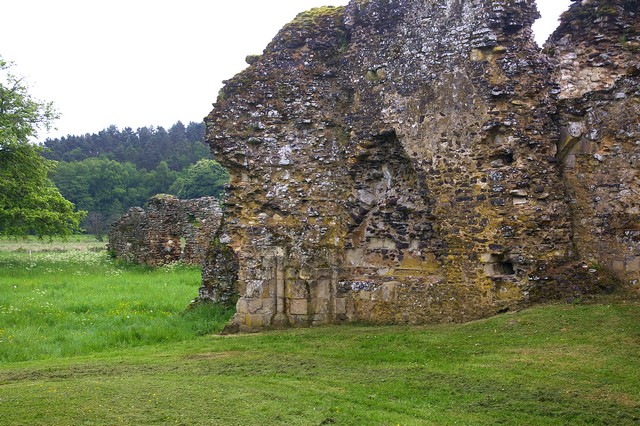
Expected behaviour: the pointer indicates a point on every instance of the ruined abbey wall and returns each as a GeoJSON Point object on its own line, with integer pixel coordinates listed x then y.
{"type": "Point", "coordinates": [418, 161]}
{"type": "Point", "coordinates": [596, 55]}
{"type": "Point", "coordinates": [168, 230]}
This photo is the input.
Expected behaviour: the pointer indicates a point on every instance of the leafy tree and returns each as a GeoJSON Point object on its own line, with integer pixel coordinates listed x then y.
{"type": "Point", "coordinates": [29, 201]}
{"type": "Point", "coordinates": [204, 178]}
{"type": "Point", "coordinates": [161, 179]}
{"type": "Point", "coordinates": [107, 188]}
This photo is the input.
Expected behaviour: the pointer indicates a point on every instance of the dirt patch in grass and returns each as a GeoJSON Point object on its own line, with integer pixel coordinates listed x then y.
{"type": "Point", "coordinates": [212, 355]}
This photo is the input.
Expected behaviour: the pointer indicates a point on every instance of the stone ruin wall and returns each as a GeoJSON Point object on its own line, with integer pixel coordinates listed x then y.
{"type": "Point", "coordinates": [171, 230]}
{"type": "Point", "coordinates": [419, 161]}
{"type": "Point", "coordinates": [596, 53]}
{"type": "Point", "coordinates": [168, 230]}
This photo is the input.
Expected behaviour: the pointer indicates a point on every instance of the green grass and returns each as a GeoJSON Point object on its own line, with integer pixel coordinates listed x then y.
{"type": "Point", "coordinates": [64, 303]}
{"type": "Point", "coordinates": [550, 365]}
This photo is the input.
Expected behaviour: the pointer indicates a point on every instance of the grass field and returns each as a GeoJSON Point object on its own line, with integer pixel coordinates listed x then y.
{"type": "Point", "coordinates": [33, 244]}
{"type": "Point", "coordinates": [61, 303]}
{"type": "Point", "coordinates": [550, 365]}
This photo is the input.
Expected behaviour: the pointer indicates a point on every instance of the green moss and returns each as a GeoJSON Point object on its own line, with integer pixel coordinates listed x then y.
{"type": "Point", "coordinates": [316, 18]}
{"type": "Point", "coordinates": [371, 76]}
{"type": "Point", "coordinates": [580, 15]}
{"type": "Point", "coordinates": [631, 46]}
{"type": "Point", "coordinates": [376, 74]}
{"type": "Point", "coordinates": [343, 136]}
{"type": "Point", "coordinates": [252, 59]}
{"type": "Point", "coordinates": [607, 11]}
{"type": "Point", "coordinates": [221, 95]}
{"type": "Point", "coordinates": [312, 17]}
{"type": "Point", "coordinates": [589, 12]}
{"type": "Point", "coordinates": [322, 22]}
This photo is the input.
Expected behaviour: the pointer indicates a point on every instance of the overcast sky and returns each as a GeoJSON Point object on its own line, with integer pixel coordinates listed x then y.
{"type": "Point", "coordinates": [137, 63]}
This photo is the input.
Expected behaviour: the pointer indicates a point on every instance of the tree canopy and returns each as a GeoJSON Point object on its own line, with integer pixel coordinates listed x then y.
{"type": "Point", "coordinates": [146, 147]}
{"type": "Point", "coordinates": [108, 172]}
{"type": "Point", "coordinates": [202, 179]}
{"type": "Point", "coordinates": [29, 201]}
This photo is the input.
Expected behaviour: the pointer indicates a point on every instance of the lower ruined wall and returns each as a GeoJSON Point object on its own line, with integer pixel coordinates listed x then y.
{"type": "Point", "coordinates": [168, 230]}
{"type": "Point", "coordinates": [171, 230]}
{"type": "Point", "coordinates": [403, 161]}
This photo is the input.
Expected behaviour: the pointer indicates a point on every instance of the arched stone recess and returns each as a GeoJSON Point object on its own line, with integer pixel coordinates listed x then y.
{"type": "Point", "coordinates": [390, 271]}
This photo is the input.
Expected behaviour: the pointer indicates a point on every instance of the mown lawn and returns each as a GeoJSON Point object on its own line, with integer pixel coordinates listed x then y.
{"type": "Point", "coordinates": [551, 365]}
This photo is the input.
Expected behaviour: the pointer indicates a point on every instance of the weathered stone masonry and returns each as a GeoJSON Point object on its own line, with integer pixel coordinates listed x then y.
{"type": "Point", "coordinates": [596, 55]}
{"type": "Point", "coordinates": [155, 236]}
{"type": "Point", "coordinates": [419, 161]}
{"type": "Point", "coordinates": [172, 230]}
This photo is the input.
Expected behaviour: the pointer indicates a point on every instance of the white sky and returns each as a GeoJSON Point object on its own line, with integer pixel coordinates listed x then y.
{"type": "Point", "coordinates": [137, 63]}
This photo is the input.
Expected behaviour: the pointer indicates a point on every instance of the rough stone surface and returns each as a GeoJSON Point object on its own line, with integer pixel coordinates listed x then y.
{"type": "Point", "coordinates": [219, 275]}
{"type": "Point", "coordinates": [596, 51]}
{"type": "Point", "coordinates": [420, 161]}
{"type": "Point", "coordinates": [168, 230]}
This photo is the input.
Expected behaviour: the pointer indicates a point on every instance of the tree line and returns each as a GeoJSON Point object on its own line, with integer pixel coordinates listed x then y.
{"type": "Point", "coordinates": [108, 172]}
{"type": "Point", "coordinates": [145, 147]}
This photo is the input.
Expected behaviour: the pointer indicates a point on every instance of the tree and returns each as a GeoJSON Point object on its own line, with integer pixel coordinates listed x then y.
{"type": "Point", "coordinates": [161, 179]}
{"type": "Point", "coordinates": [96, 225]}
{"type": "Point", "coordinates": [202, 179]}
{"type": "Point", "coordinates": [29, 201]}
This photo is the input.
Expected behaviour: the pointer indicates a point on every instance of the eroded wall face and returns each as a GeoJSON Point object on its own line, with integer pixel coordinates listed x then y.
{"type": "Point", "coordinates": [597, 51]}
{"type": "Point", "coordinates": [168, 230]}
{"type": "Point", "coordinates": [396, 161]}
